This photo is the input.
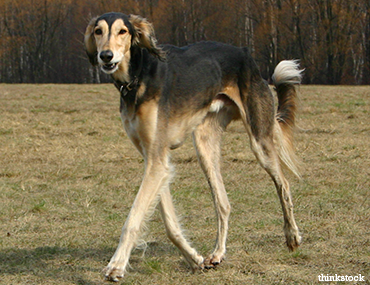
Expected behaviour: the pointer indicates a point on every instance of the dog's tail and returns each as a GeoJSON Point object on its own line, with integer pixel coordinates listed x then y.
{"type": "Point", "coordinates": [286, 77]}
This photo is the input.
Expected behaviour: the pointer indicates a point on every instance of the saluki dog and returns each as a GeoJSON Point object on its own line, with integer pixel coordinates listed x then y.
{"type": "Point", "coordinates": [168, 92]}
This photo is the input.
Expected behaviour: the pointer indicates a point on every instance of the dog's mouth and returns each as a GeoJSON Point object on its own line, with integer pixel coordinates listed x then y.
{"type": "Point", "coordinates": [109, 67]}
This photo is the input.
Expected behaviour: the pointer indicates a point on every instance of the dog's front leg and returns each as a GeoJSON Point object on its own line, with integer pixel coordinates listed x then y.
{"type": "Point", "coordinates": [156, 176]}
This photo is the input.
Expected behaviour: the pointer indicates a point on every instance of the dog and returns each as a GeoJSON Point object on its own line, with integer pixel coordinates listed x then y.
{"type": "Point", "coordinates": [168, 92]}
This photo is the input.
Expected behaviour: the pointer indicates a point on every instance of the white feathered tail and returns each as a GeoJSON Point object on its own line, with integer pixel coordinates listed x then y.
{"type": "Point", "coordinates": [286, 77]}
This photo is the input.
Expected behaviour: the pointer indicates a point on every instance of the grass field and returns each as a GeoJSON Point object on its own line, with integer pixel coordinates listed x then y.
{"type": "Point", "coordinates": [68, 176]}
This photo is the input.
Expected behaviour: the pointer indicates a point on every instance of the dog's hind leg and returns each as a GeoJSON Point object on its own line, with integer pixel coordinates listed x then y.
{"type": "Point", "coordinates": [267, 156]}
{"type": "Point", "coordinates": [207, 140]}
{"type": "Point", "coordinates": [262, 126]}
{"type": "Point", "coordinates": [174, 232]}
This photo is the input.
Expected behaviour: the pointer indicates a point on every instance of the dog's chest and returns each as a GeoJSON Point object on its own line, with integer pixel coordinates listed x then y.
{"type": "Point", "coordinates": [141, 128]}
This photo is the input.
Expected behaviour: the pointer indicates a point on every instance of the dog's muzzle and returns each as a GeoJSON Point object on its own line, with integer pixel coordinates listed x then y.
{"type": "Point", "coordinates": [106, 57]}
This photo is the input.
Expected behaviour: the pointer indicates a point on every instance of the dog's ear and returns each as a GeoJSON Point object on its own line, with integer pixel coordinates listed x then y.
{"type": "Point", "coordinates": [90, 44]}
{"type": "Point", "coordinates": [144, 37]}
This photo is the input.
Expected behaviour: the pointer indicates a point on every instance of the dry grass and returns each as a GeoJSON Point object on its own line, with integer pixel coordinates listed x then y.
{"type": "Point", "coordinates": [69, 174]}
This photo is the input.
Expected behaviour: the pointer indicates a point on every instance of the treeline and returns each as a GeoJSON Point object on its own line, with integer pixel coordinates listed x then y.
{"type": "Point", "coordinates": [41, 40]}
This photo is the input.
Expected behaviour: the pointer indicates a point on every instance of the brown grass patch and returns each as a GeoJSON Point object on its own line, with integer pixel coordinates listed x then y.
{"type": "Point", "coordinates": [69, 174]}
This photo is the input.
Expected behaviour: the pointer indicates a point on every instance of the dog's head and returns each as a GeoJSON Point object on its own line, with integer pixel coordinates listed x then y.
{"type": "Point", "coordinates": [109, 38]}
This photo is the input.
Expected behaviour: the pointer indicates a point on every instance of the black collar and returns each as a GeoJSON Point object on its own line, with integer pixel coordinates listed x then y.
{"type": "Point", "coordinates": [126, 88]}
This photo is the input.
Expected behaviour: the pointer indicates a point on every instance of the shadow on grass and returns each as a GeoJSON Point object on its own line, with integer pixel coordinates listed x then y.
{"type": "Point", "coordinates": [55, 263]}
{"type": "Point", "coordinates": [81, 266]}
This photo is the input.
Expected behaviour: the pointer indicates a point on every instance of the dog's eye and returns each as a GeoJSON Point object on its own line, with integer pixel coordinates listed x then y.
{"type": "Point", "coordinates": [98, 32]}
{"type": "Point", "coordinates": [122, 32]}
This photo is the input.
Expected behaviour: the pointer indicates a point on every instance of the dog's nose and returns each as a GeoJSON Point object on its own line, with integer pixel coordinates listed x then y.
{"type": "Point", "coordinates": [106, 55]}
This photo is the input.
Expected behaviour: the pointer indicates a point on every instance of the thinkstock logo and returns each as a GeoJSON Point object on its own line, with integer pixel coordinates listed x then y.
{"type": "Point", "coordinates": [336, 277]}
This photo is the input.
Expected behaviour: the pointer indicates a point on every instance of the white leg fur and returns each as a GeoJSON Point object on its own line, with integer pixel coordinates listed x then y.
{"type": "Point", "coordinates": [156, 177]}
{"type": "Point", "coordinates": [269, 160]}
{"type": "Point", "coordinates": [207, 138]}
{"type": "Point", "coordinates": [174, 232]}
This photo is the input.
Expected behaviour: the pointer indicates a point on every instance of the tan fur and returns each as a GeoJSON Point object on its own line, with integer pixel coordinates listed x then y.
{"type": "Point", "coordinates": [233, 92]}
{"type": "Point", "coordinates": [89, 41]}
{"type": "Point", "coordinates": [141, 129]}
{"type": "Point", "coordinates": [145, 36]}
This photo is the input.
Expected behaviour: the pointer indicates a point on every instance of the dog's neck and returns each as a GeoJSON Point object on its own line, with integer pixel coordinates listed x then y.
{"type": "Point", "coordinates": [128, 75]}
{"type": "Point", "coordinates": [128, 87]}
{"type": "Point", "coordinates": [123, 74]}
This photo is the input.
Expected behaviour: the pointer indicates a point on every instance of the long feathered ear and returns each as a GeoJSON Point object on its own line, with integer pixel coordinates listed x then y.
{"type": "Point", "coordinates": [90, 44]}
{"type": "Point", "coordinates": [144, 36]}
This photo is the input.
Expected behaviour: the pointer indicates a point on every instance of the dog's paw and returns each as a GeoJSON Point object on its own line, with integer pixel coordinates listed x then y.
{"type": "Point", "coordinates": [293, 242]}
{"type": "Point", "coordinates": [196, 263]}
{"type": "Point", "coordinates": [113, 274]}
{"type": "Point", "coordinates": [293, 239]}
{"type": "Point", "coordinates": [213, 261]}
